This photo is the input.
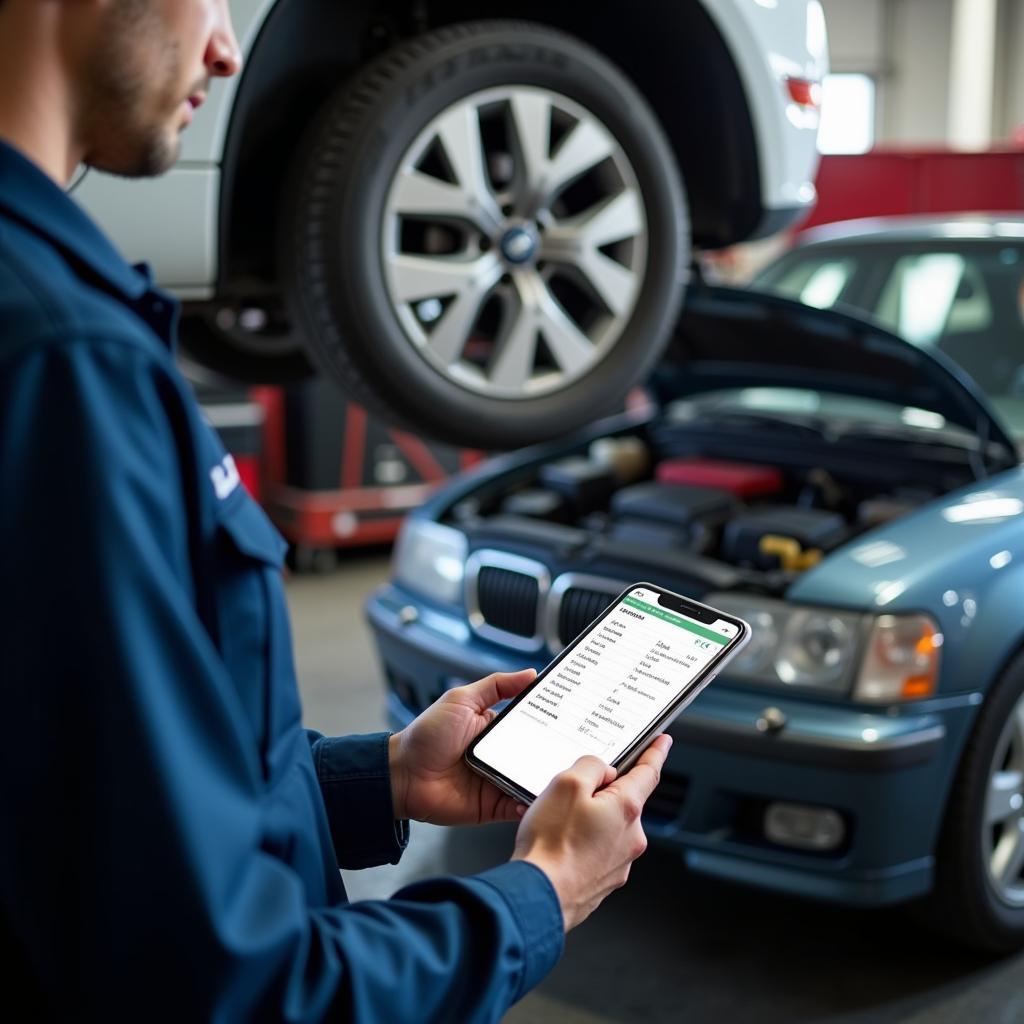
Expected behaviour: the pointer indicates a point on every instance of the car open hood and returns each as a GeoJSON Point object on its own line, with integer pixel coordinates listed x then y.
{"type": "Point", "coordinates": [732, 338]}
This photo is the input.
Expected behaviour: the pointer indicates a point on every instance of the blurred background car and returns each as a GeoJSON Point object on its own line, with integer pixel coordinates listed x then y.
{"type": "Point", "coordinates": [953, 285]}
{"type": "Point", "coordinates": [481, 228]}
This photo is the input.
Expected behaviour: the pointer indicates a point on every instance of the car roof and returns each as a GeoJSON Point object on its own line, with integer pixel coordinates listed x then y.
{"type": "Point", "coordinates": [917, 228]}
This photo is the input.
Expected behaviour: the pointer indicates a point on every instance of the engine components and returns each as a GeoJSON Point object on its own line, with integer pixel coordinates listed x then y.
{"type": "Point", "coordinates": [743, 479]}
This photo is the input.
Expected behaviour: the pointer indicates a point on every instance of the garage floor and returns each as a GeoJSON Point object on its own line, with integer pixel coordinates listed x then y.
{"type": "Point", "coordinates": [670, 946]}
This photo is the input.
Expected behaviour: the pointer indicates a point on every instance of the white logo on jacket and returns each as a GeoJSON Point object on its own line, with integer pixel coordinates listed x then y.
{"type": "Point", "coordinates": [225, 477]}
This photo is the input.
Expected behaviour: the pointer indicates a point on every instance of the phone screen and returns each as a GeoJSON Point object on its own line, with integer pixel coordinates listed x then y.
{"type": "Point", "coordinates": [609, 688]}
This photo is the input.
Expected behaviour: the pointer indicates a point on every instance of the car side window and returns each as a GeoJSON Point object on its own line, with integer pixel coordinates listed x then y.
{"type": "Point", "coordinates": [931, 295]}
{"type": "Point", "coordinates": [819, 283]}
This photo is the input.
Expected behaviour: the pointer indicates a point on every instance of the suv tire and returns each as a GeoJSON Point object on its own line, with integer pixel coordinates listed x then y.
{"type": "Point", "coordinates": [517, 168]}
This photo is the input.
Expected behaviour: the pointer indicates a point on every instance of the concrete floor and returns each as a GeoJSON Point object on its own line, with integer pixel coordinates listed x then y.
{"type": "Point", "coordinates": [670, 945]}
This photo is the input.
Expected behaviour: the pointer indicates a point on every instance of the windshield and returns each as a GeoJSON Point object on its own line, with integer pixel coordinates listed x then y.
{"type": "Point", "coordinates": [964, 299]}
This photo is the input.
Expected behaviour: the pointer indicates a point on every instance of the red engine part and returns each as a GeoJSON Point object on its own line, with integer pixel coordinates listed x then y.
{"type": "Point", "coordinates": [740, 478]}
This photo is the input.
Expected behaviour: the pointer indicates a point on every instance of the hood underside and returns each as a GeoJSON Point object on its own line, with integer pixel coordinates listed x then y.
{"type": "Point", "coordinates": [727, 338]}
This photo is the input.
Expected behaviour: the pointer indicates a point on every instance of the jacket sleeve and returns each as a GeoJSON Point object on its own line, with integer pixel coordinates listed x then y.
{"type": "Point", "coordinates": [134, 876]}
{"type": "Point", "coordinates": [355, 780]}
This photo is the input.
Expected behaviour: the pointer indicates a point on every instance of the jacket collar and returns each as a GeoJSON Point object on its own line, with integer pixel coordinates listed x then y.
{"type": "Point", "coordinates": [32, 198]}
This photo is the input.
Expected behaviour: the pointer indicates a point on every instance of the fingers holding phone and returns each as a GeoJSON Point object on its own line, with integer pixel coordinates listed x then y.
{"type": "Point", "coordinates": [598, 704]}
{"type": "Point", "coordinates": [617, 685]}
{"type": "Point", "coordinates": [584, 830]}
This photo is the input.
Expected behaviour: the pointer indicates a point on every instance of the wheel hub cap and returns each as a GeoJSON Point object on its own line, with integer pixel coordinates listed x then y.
{"type": "Point", "coordinates": [519, 245]}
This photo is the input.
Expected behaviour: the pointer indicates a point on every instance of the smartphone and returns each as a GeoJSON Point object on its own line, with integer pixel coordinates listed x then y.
{"type": "Point", "coordinates": [610, 692]}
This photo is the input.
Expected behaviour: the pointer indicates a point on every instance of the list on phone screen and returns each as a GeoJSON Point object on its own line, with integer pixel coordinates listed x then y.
{"type": "Point", "coordinates": [607, 691]}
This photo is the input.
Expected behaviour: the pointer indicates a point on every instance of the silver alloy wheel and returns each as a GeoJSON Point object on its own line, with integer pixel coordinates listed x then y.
{"type": "Point", "coordinates": [514, 242]}
{"type": "Point", "coordinates": [1002, 826]}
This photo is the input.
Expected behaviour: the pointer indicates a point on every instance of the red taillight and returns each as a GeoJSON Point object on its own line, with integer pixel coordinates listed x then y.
{"type": "Point", "coordinates": [804, 92]}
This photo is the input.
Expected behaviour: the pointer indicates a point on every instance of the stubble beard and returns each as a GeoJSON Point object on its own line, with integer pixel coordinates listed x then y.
{"type": "Point", "coordinates": [131, 96]}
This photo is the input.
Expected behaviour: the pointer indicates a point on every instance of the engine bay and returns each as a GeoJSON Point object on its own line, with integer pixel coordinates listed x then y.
{"type": "Point", "coordinates": [704, 498]}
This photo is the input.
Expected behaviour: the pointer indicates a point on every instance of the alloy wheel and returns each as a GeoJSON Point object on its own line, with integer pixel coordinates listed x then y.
{"type": "Point", "coordinates": [514, 242]}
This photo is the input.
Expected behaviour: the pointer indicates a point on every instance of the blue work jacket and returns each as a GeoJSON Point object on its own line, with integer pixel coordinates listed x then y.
{"type": "Point", "coordinates": [170, 835]}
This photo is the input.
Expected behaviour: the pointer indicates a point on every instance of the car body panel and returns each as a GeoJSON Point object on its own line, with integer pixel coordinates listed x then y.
{"type": "Point", "coordinates": [960, 559]}
{"type": "Point", "coordinates": [181, 210]}
{"type": "Point", "coordinates": [777, 41]}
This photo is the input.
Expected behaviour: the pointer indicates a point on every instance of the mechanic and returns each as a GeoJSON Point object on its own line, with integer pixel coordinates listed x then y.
{"type": "Point", "coordinates": [171, 835]}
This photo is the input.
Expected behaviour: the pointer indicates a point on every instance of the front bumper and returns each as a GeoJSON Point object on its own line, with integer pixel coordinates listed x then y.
{"type": "Point", "coordinates": [887, 774]}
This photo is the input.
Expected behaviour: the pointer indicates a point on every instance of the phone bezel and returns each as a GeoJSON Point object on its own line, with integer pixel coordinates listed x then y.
{"type": "Point", "coordinates": [673, 602]}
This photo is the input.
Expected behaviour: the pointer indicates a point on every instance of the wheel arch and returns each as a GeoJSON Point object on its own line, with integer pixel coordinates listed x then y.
{"type": "Point", "coordinates": [306, 48]}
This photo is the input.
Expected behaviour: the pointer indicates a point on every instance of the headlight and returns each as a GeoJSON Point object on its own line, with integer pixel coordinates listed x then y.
{"type": "Point", "coordinates": [430, 559]}
{"type": "Point", "coordinates": [901, 661]}
{"type": "Point", "coordinates": [817, 648]}
{"type": "Point", "coordinates": [794, 646]}
{"type": "Point", "coordinates": [822, 649]}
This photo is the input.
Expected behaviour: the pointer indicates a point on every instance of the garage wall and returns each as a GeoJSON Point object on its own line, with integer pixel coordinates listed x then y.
{"type": "Point", "coordinates": [1008, 115]}
{"type": "Point", "coordinates": [915, 90]}
{"type": "Point", "coordinates": [856, 35]}
{"type": "Point", "coordinates": [905, 46]}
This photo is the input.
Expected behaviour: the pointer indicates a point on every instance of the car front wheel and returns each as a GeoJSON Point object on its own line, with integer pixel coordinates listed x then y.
{"type": "Point", "coordinates": [979, 891]}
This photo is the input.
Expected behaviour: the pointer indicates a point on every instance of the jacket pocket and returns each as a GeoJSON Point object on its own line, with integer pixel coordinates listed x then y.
{"type": "Point", "coordinates": [252, 626]}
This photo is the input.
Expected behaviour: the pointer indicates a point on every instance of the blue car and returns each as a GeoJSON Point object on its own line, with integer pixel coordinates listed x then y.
{"type": "Point", "coordinates": [853, 496]}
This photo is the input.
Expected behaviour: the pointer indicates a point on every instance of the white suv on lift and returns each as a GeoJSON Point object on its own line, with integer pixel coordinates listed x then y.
{"type": "Point", "coordinates": [481, 226]}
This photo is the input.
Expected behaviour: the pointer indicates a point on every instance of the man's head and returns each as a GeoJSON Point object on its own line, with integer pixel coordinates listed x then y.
{"type": "Point", "coordinates": [108, 83]}
{"type": "Point", "coordinates": [148, 68]}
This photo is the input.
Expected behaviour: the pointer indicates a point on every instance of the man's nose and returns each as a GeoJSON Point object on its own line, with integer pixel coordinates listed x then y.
{"type": "Point", "coordinates": [223, 56]}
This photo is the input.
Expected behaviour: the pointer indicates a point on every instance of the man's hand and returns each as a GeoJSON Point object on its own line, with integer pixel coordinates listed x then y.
{"type": "Point", "coordinates": [584, 830]}
{"type": "Point", "coordinates": [430, 781]}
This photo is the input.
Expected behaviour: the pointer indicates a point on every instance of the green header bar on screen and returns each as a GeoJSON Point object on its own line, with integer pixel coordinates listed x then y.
{"type": "Point", "coordinates": [676, 620]}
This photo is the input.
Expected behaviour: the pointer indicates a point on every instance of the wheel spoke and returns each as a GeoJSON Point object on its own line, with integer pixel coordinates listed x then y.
{"type": "Point", "coordinates": [459, 131]}
{"type": "Point", "coordinates": [619, 218]}
{"type": "Point", "coordinates": [1008, 856]}
{"type": "Point", "coordinates": [1003, 799]}
{"type": "Point", "coordinates": [433, 277]}
{"type": "Point", "coordinates": [531, 116]}
{"type": "Point", "coordinates": [577, 241]}
{"type": "Point", "coordinates": [584, 147]}
{"type": "Point", "coordinates": [448, 338]}
{"type": "Point", "coordinates": [614, 284]}
{"type": "Point", "coordinates": [421, 195]}
{"type": "Point", "coordinates": [614, 220]}
{"type": "Point", "coordinates": [544, 176]}
{"type": "Point", "coordinates": [516, 352]}
{"type": "Point", "coordinates": [571, 348]}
